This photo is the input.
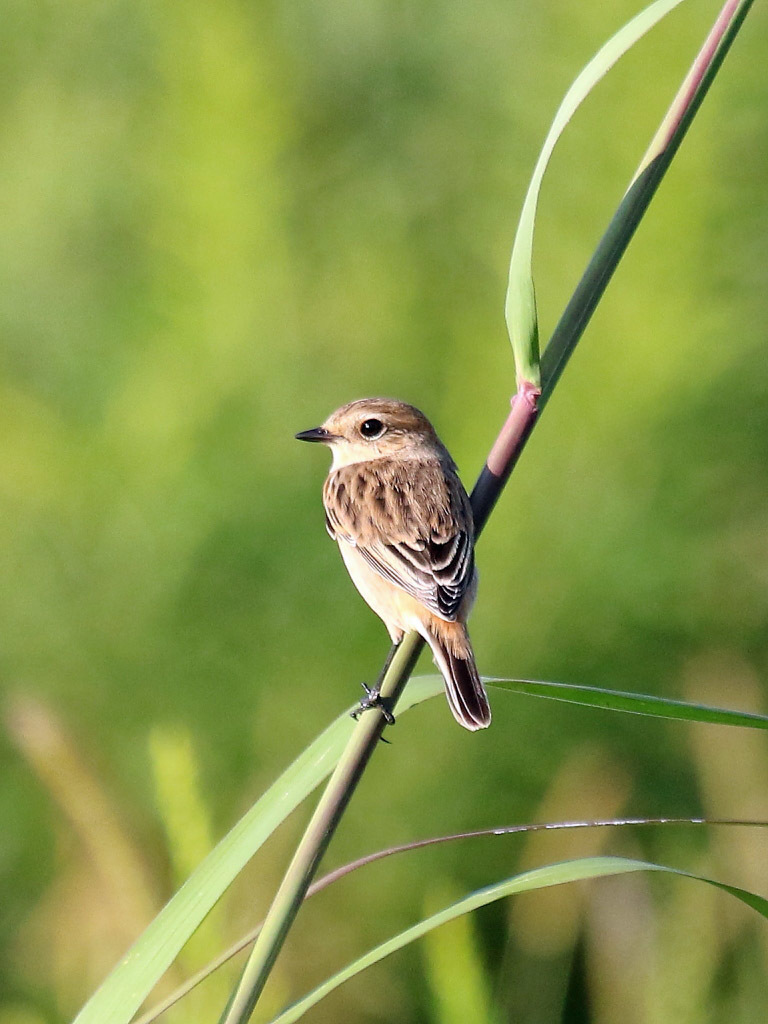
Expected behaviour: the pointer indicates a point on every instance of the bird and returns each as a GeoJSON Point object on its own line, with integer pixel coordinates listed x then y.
{"type": "Point", "coordinates": [403, 522]}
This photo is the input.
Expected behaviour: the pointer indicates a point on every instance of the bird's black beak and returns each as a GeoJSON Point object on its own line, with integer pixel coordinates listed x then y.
{"type": "Point", "coordinates": [315, 434]}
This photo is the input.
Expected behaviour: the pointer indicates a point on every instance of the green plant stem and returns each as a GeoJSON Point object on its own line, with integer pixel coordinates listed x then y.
{"type": "Point", "coordinates": [419, 844]}
{"type": "Point", "coordinates": [641, 191]}
{"type": "Point", "coordinates": [318, 834]}
{"type": "Point", "coordinates": [505, 453]}
{"type": "Point", "coordinates": [362, 743]}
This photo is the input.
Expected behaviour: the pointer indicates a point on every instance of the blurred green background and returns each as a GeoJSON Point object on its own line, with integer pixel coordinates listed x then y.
{"type": "Point", "coordinates": [221, 220]}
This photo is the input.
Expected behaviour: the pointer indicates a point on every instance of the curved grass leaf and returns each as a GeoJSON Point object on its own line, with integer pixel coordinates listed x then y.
{"type": "Point", "coordinates": [520, 302]}
{"type": "Point", "coordinates": [631, 703]}
{"type": "Point", "coordinates": [539, 878]}
{"type": "Point", "coordinates": [129, 984]}
{"type": "Point", "coordinates": [419, 844]}
{"type": "Point", "coordinates": [654, 165]}
{"type": "Point", "coordinates": [119, 997]}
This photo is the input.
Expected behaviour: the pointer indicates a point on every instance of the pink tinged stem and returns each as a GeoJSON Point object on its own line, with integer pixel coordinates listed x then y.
{"type": "Point", "coordinates": [526, 406]}
{"type": "Point", "coordinates": [506, 451]}
{"type": "Point", "coordinates": [690, 90]}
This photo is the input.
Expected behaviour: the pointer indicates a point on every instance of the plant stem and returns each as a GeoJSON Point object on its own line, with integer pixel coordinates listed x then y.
{"type": "Point", "coordinates": [507, 449]}
{"type": "Point", "coordinates": [526, 406]}
{"type": "Point", "coordinates": [364, 739]}
{"type": "Point", "coordinates": [419, 844]}
{"type": "Point", "coordinates": [642, 189]}
{"type": "Point", "coordinates": [318, 834]}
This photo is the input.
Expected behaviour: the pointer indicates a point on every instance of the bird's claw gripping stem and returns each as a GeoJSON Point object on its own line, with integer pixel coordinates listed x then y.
{"type": "Point", "coordinates": [373, 699]}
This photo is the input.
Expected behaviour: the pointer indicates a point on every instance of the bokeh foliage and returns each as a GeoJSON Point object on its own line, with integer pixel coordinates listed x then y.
{"type": "Point", "coordinates": [220, 221]}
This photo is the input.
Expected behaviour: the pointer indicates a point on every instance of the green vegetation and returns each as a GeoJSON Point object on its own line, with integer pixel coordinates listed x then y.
{"type": "Point", "coordinates": [220, 223]}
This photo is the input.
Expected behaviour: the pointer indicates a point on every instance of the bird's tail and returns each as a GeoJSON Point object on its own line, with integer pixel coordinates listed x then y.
{"type": "Point", "coordinates": [463, 687]}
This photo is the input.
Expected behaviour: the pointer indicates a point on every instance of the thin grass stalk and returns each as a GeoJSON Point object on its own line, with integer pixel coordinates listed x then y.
{"type": "Point", "coordinates": [642, 189]}
{"type": "Point", "coordinates": [419, 844]}
{"type": "Point", "coordinates": [322, 825]}
{"type": "Point", "coordinates": [526, 405]}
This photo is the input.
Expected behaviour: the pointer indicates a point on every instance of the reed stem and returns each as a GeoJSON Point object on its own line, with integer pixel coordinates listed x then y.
{"type": "Point", "coordinates": [517, 428]}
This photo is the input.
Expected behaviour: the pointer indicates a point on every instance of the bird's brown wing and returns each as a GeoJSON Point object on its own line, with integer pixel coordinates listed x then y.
{"type": "Point", "coordinates": [412, 524]}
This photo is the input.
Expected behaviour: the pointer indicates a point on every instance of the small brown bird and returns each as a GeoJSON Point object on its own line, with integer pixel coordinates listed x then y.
{"type": "Point", "coordinates": [395, 504]}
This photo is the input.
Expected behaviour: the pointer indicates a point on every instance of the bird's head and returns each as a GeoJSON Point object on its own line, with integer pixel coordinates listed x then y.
{"type": "Point", "coordinates": [376, 428]}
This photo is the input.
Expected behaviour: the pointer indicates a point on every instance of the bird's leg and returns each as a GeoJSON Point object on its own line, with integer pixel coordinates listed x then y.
{"type": "Point", "coordinates": [373, 698]}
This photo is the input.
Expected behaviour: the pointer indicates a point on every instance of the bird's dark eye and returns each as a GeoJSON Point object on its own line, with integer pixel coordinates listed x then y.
{"type": "Point", "coordinates": [371, 429]}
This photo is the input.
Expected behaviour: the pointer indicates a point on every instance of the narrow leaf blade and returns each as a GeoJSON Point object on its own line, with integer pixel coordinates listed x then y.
{"type": "Point", "coordinates": [520, 302]}
{"type": "Point", "coordinates": [632, 703]}
{"type": "Point", "coordinates": [124, 990]}
{"type": "Point", "coordinates": [539, 878]}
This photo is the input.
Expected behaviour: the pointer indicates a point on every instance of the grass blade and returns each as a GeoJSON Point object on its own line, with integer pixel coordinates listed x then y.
{"type": "Point", "coordinates": [520, 302]}
{"type": "Point", "coordinates": [641, 191]}
{"type": "Point", "coordinates": [119, 997]}
{"type": "Point", "coordinates": [122, 993]}
{"type": "Point", "coordinates": [632, 703]}
{"type": "Point", "coordinates": [539, 878]}
{"type": "Point", "coordinates": [420, 844]}
{"type": "Point", "coordinates": [492, 479]}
